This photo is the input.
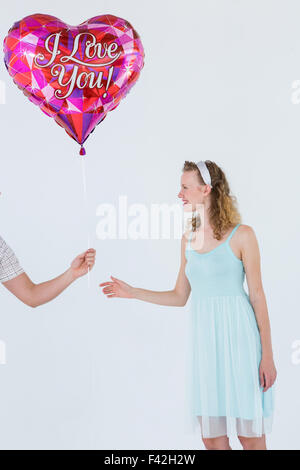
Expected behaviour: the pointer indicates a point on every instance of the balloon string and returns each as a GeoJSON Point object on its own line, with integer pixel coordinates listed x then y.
{"type": "Point", "coordinates": [93, 371]}
{"type": "Point", "coordinates": [86, 206]}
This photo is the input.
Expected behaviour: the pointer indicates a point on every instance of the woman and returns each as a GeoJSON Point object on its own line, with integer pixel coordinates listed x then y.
{"type": "Point", "coordinates": [233, 371]}
{"type": "Point", "coordinates": [18, 283]}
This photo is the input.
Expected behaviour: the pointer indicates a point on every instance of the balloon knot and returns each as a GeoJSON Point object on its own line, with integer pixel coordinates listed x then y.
{"type": "Point", "coordinates": [82, 151]}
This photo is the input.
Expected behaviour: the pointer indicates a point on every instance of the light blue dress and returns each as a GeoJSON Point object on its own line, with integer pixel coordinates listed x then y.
{"type": "Point", "coordinates": [225, 394]}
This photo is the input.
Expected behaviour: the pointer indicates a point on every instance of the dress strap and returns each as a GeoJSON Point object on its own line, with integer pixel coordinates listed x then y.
{"type": "Point", "coordinates": [235, 228]}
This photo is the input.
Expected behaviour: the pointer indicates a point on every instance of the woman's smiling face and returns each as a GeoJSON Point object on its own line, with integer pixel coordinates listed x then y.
{"type": "Point", "coordinates": [192, 192]}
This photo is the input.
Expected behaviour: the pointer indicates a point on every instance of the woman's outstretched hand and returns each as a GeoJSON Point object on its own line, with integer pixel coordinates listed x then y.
{"type": "Point", "coordinates": [84, 262]}
{"type": "Point", "coordinates": [117, 288]}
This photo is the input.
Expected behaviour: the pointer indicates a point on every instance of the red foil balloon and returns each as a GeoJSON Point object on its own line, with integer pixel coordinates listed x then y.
{"type": "Point", "coordinates": [75, 74]}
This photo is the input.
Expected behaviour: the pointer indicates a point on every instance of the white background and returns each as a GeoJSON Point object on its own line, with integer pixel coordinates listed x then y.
{"type": "Point", "coordinates": [89, 372]}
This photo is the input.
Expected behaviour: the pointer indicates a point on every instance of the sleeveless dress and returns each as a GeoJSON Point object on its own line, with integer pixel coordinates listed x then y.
{"type": "Point", "coordinates": [225, 396]}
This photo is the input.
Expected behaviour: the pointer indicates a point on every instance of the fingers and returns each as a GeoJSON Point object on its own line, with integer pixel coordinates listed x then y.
{"type": "Point", "coordinates": [109, 288]}
{"type": "Point", "coordinates": [109, 292]}
{"type": "Point", "coordinates": [90, 256]}
{"type": "Point", "coordinates": [109, 282]}
{"type": "Point", "coordinates": [90, 259]}
{"type": "Point", "coordinates": [267, 384]}
{"type": "Point", "coordinates": [108, 285]}
{"type": "Point", "coordinates": [261, 378]}
{"type": "Point", "coordinates": [112, 288]}
{"type": "Point", "coordinates": [267, 381]}
{"type": "Point", "coordinates": [267, 376]}
{"type": "Point", "coordinates": [270, 380]}
{"type": "Point", "coordinates": [90, 251]}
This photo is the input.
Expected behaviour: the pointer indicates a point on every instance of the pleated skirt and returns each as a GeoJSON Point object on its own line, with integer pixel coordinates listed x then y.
{"type": "Point", "coordinates": [224, 396]}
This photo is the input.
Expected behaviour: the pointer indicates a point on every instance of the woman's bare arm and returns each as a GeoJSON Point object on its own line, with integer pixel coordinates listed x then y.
{"type": "Point", "coordinates": [176, 297]}
{"type": "Point", "coordinates": [251, 261]}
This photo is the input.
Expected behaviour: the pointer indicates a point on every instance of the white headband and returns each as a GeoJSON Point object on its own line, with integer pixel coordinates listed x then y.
{"type": "Point", "coordinates": [204, 172]}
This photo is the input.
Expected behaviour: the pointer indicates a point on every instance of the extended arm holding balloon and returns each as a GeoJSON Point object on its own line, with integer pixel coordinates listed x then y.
{"type": "Point", "coordinates": [37, 294]}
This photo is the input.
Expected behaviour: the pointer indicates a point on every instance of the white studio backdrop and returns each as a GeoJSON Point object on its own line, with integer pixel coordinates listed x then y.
{"type": "Point", "coordinates": [88, 372]}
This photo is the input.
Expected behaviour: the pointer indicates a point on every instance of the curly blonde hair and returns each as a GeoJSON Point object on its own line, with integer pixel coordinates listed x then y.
{"type": "Point", "coordinates": [223, 211]}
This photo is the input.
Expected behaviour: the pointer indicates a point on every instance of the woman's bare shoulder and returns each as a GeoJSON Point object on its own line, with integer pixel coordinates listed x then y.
{"type": "Point", "coordinates": [246, 230]}
{"type": "Point", "coordinates": [246, 236]}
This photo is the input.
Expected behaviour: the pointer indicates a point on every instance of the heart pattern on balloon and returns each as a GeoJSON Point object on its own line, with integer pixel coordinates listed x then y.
{"type": "Point", "coordinates": [75, 74]}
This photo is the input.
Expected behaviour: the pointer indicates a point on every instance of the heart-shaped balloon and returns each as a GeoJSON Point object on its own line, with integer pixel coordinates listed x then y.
{"type": "Point", "coordinates": [75, 74]}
